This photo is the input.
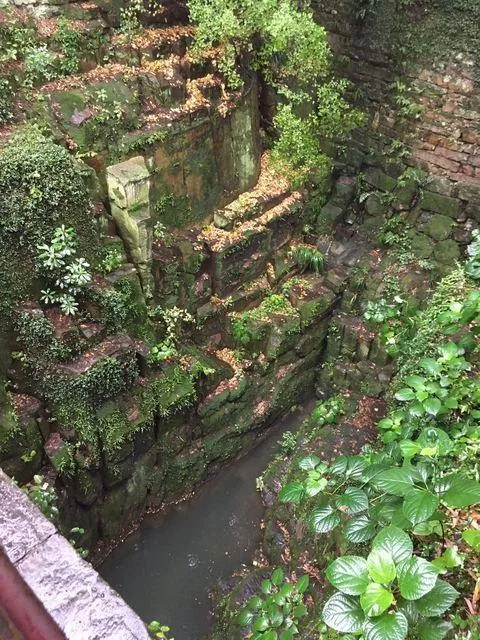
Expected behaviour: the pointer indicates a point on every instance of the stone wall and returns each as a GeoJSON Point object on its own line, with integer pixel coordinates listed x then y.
{"type": "Point", "coordinates": [422, 109]}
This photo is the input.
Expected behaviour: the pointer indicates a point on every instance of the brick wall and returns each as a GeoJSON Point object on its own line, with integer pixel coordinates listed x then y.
{"type": "Point", "coordinates": [445, 138]}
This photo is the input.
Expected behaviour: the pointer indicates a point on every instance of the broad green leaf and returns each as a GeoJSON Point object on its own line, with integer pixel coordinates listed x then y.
{"type": "Point", "coordinates": [395, 542]}
{"type": "Point", "coordinates": [451, 403]}
{"type": "Point", "coordinates": [450, 350]}
{"type": "Point", "coordinates": [349, 574]}
{"type": "Point", "coordinates": [352, 501]}
{"type": "Point", "coordinates": [266, 587]}
{"type": "Point", "coordinates": [419, 505]}
{"type": "Point", "coordinates": [417, 382]}
{"type": "Point", "coordinates": [416, 577]}
{"type": "Point", "coordinates": [261, 624]}
{"type": "Point", "coordinates": [433, 629]}
{"type": "Point", "coordinates": [449, 559]}
{"type": "Point", "coordinates": [348, 466]}
{"type": "Point", "coordinates": [472, 537]}
{"type": "Point", "coordinates": [390, 626]}
{"type": "Point", "coordinates": [409, 448]}
{"type": "Point", "coordinates": [271, 634]}
{"type": "Point", "coordinates": [339, 466]}
{"type": "Point", "coordinates": [381, 566]}
{"type": "Point", "coordinates": [287, 588]}
{"type": "Point", "coordinates": [397, 481]}
{"type": "Point", "coordinates": [430, 366]}
{"type": "Point", "coordinates": [376, 599]}
{"type": "Point", "coordinates": [359, 529]}
{"type": "Point", "coordinates": [286, 635]}
{"type": "Point", "coordinates": [302, 583]}
{"type": "Point", "coordinates": [399, 520]}
{"type": "Point", "coordinates": [385, 509]}
{"type": "Point", "coordinates": [276, 618]}
{"type": "Point", "coordinates": [438, 600]}
{"type": "Point", "coordinates": [299, 611]}
{"type": "Point", "coordinates": [343, 613]}
{"type": "Point", "coordinates": [429, 452]}
{"type": "Point", "coordinates": [277, 577]}
{"type": "Point", "coordinates": [324, 519]}
{"type": "Point", "coordinates": [254, 603]}
{"type": "Point", "coordinates": [313, 486]}
{"type": "Point", "coordinates": [463, 492]}
{"type": "Point", "coordinates": [385, 423]}
{"type": "Point", "coordinates": [292, 492]}
{"type": "Point", "coordinates": [434, 436]}
{"type": "Point", "coordinates": [308, 463]}
{"type": "Point", "coordinates": [427, 528]}
{"type": "Point", "coordinates": [244, 618]}
{"type": "Point", "coordinates": [405, 395]}
{"type": "Point", "coordinates": [416, 409]}
{"type": "Point", "coordinates": [432, 406]}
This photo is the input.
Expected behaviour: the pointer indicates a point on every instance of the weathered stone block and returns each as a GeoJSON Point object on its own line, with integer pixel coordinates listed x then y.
{"type": "Point", "coordinates": [380, 180]}
{"type": "Point", "coordinates": [446, 252]}
{"type": "Point", "coordinates": [468, 191]}
{"type": "Point", "coordinates": [330, 214]}
{"type": "Point", "coordinates": [444, 205]}
{"type": "Point", "coordinates": [421, 245]}
{"type": "Point", "coordinates": [129, 185]}
{"type": "Point", "coordinates": [438, 227]}
{"type": "Point", "coordinates": [374, 205]}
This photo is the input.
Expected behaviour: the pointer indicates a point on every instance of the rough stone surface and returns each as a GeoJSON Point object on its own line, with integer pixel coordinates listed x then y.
{"type": "Point", "coordinates": [81, 603]}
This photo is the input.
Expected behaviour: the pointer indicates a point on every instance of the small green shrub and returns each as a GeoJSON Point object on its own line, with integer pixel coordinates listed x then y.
{"type": "Point", "coordinates": [66, 273]}
{"type": "Point", "coordinates": [44, 496]}
{"type": "Point", "coordinates": [157, 630]}
{"type": "Point", "coordinates": [308, 259]}
{"type": "Point", "coordinates": [277, 610]}
{"type": "Point", "coordinates": [173, 320]}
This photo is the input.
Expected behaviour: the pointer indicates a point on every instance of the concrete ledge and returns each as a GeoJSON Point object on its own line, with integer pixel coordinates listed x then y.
{"type": "Point", "coordinates": [82, 604]}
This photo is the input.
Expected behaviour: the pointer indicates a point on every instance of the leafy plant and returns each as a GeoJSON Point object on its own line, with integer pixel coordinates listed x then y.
{"type": "Point", "coordinates": [388, 594]}
{"type": "Point", "coordinates": [328, 411]}
{"type": "Point", "coordinates": [111, 261]}
{"type": "Point", "coordinates": [43, 187]}
{"type": "Point", "coordinates": [158, 630]}
{"type": "Point", "coordinates": [287, 443]}
{"type": "Point", "coordinates": [308, 258]}
{"type": "Point", "coordinates": [472, 267]}
{"type": "Point", "coordinates": [66, 273]}
{"type": "Point", "coordinates": [44, 496]}
{"type": "Point", "coordinates": [173, 320]}
{"type": "Point", "coordinates": [274, 614]}
{"type": "Point", "coordinates": [282, 40]}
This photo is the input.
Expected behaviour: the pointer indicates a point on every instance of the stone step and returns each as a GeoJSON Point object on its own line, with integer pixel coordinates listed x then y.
{"type": "Point", "coordinates": [72, 332]}
{"type": "Point", "coordinates": [153, 43]}
{"type": "Point", "coordinates": [269, 191]}
{"type": "Point", "coordinates": [242, 255]}
{"type": "Point", "coordinates": [119, 347]}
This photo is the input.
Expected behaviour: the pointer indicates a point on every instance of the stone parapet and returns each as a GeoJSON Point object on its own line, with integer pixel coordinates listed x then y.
{"type": "Point", "coordinates": [77, 598]}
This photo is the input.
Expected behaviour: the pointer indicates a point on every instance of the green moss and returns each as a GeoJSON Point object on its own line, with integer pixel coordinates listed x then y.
{"type": "Point", "coordinates": [440, 204]}
{"type": "Point", "coordinates": [42, 187]}
{"type": "Point", "coordinates": [438, 227]}
{"type": "Point", "coordinates": [447, 253]}
{"type": "Point", "coordinates": [170, 392]}
{"type": "Point", "coordinates": [253, 326]}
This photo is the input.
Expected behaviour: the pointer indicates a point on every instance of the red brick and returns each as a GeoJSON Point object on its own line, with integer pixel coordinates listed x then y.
{"type": "Point", "coordinates": [440, 161]}
{"type": "Point", "coordinates": [468, 135]}
{"type": "Point", "coordinates": [452, 155]}
{"type": "Point", "coordinates": [467, 169]}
